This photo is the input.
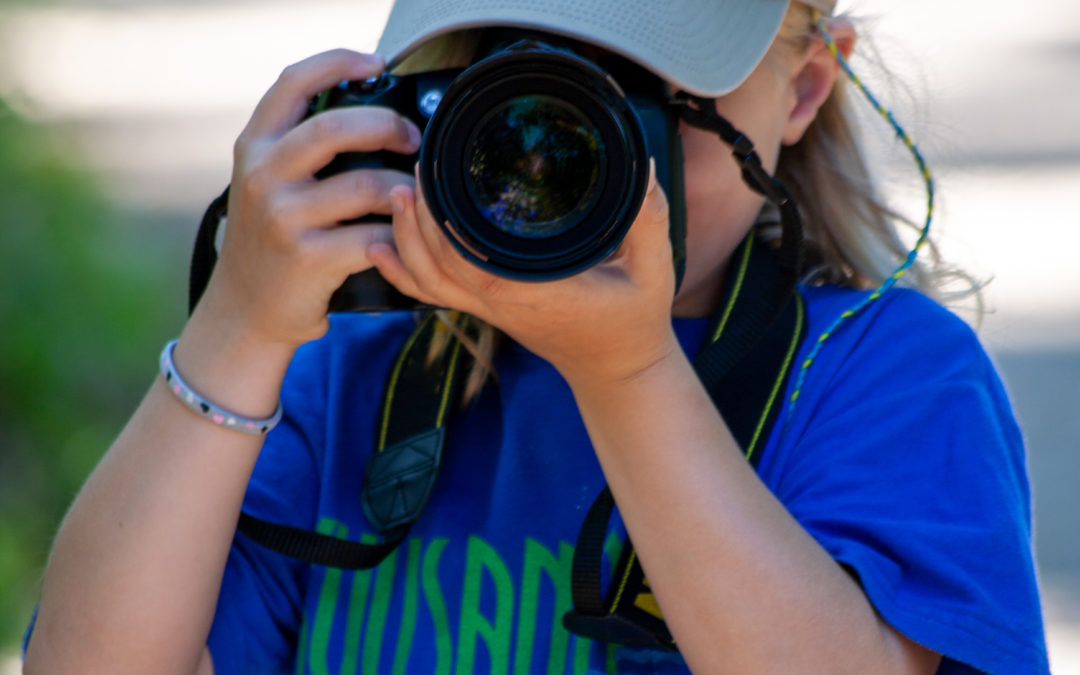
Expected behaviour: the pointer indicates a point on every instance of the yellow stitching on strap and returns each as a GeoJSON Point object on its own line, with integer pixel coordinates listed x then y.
{"type": "Point", "coordinates": [447, 382]}
{"type": "Point", "coordinates": [744, 263]}
{"type": "Point", "coordinates": [800, 311]}
{"type": "Point", "coordinates": [625, 577]}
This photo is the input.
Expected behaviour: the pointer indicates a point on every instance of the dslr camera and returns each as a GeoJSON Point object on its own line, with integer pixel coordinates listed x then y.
{"type": "Point", "coordinates": [534, 160]}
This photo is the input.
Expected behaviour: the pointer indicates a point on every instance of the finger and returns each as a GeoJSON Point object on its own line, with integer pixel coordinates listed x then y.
{"type": "Point", "coordinates": [344, 250]}
{"type": "Point", "coordinates": [415, 254]}
{"type": "Point", "coordinates": [384, 257]}
{"type": "Point", "coordinates": [467, 275]}
{"type": "Point", "coordinates": [285, 102]}
{"type": "Point", "coordinates": [342, 197]}
{"type": "Point", "coordinates": [435, 239]}
{"type": "Point", "coordinates": [310, 146]}
{"type": "Point", "coordinates": [447, 256]}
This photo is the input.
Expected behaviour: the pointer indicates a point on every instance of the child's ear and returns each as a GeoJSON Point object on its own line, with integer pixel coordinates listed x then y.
{"type": "Point", "coordinates": [814, 76]}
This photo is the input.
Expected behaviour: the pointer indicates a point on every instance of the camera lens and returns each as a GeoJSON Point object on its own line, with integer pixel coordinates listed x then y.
{"type": "Point", "coordinates": [533, 166]}
{"type": "Point", "coordinates": [535, 163]}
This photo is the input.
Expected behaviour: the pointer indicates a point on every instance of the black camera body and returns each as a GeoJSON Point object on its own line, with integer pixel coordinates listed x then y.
{"type": "Point", "coordinates": [534, 160]}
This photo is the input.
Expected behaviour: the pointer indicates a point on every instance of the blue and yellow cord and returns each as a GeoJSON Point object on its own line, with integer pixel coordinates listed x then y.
{"type": "Point", "coordinates": [923, 233]}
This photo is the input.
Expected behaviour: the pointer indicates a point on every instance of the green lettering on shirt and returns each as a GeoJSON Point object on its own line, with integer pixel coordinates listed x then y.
{"type": "Point", "coordinates": [539, 559]}
{"type": "Point", "coordinates": [496, 634]}
{"type": "Point", "coordinates": [444, 645]}
{"type": "Point", "coordinates": [368, 608]}
{"type": "Point", "coordinates": [327, 607]}
{"type": "Point", "coordinates": [408, 615]}
{"type": "Point", "coordinates": [358, 597]}
{"type": "Point", "coordinates": [376, 620]}
{"type": "Point", "coordinates": [582, 647]}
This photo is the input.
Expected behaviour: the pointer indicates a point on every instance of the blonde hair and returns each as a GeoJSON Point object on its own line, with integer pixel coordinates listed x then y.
{"type": "Point", "coordinates": [852, 236]}
{"type": "Point", "coordinates": [456, 50]}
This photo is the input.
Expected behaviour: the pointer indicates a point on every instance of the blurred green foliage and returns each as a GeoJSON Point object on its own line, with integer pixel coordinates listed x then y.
{"type": "Point", "coordinates": [84, 309]}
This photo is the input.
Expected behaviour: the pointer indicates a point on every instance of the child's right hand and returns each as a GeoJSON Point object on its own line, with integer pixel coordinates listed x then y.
{"type": "Point", "coordinates": [284, 251]}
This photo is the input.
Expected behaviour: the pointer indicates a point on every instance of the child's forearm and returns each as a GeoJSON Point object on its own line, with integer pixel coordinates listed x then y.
{"type": "Point", "coordinates": [741, 584]}
{"type": "Point", "coordinates": [134, 575]}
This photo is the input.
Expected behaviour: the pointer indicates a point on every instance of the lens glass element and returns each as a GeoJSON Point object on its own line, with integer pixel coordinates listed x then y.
{"type": "Point", "coordinates": [534, 166]}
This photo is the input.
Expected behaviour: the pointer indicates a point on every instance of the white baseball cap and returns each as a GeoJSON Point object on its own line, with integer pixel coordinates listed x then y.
{"type": "Point", "coordinates": [707, 47]}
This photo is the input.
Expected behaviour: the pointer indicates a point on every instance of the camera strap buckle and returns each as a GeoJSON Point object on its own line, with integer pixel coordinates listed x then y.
{"type": "Point", "coordinates": [701, 112]}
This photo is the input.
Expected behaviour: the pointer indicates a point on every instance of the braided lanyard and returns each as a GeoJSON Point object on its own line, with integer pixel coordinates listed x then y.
{"type": "Point", "coordinates": [924, 170]}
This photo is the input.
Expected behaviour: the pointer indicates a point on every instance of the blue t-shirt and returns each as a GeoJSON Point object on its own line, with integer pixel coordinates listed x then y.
{"type": "Point", "coordinates": [902, 458]}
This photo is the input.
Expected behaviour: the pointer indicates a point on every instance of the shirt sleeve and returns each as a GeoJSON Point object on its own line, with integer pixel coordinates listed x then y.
{"type": "Point", "coordinates": [259, 608]}
{"type": "Point", "coordinates": [904, 461]}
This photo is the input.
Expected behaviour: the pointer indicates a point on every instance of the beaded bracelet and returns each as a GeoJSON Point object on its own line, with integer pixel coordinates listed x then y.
{"type": "Point", "coordinates": [205, 408]}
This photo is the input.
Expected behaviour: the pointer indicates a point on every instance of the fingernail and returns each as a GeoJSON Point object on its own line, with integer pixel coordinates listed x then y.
{"type": "Point", "coordinates": [652, 174]}
{"type": "Point", "coordinates": [414, 135]}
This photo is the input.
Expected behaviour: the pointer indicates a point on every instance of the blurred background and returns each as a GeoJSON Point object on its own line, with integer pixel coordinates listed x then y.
{"type": "Point", "coordinates": [117, 119]}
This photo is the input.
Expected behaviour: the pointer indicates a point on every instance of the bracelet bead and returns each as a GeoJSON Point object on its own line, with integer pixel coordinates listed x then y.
{"type": "Point", "coordinates": [207, 410]}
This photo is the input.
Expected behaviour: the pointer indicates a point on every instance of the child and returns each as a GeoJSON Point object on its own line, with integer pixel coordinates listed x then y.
{"type": "Point", "coordinates": [886, 527]}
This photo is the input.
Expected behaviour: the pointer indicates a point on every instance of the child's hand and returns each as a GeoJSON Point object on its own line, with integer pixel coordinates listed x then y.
{"type": "Point", "coordinates": [603, 325]}
{"type": "Point", "coordinates": [284, 252]}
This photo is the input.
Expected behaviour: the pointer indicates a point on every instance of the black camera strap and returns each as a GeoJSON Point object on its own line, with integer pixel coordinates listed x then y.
{"type": "Point", "coordinates": [204, 254]}
{"type": "Point", "coordinates": [701, 112]}
{"type": "Point", "coordinates": [420, 389]}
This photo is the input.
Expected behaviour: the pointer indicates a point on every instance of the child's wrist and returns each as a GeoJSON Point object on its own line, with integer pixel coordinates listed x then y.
{"type": "Point", "coordinates": [233, 368]}
{"type": "Point", "coordinates": [612, 374]}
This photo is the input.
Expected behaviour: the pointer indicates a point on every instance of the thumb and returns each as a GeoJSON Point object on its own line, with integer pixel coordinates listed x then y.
{"type": "Point", "coordinates": [648, 236]}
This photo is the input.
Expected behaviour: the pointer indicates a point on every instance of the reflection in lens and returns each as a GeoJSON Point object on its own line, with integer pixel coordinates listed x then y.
{"type": "Point", "coordinates": [534, 166]}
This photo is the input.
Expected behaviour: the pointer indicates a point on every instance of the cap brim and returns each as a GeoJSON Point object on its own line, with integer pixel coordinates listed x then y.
{"type": "Point", "coordinates": [707, 47]}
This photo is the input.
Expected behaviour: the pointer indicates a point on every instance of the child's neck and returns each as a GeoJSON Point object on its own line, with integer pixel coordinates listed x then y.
{"type": "Point", "coordinates": [700, 299]}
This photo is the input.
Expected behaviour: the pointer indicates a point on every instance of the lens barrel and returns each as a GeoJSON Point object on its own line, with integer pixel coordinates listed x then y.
{"type": "Point", "coordinates": [534, 163]}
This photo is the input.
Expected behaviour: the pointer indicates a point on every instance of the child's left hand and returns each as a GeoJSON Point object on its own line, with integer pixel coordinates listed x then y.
{"type": "Point", "coordinates": [600, 326]}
